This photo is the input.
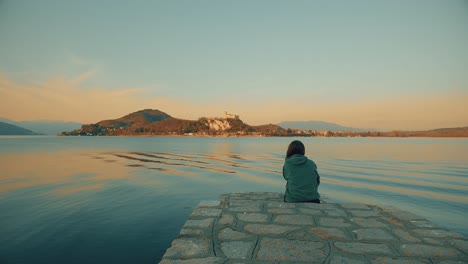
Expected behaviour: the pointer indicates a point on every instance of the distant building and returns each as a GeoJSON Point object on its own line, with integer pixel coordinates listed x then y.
{"type": "Point", "coordinates": [227, 115]}
{"type": "Point", "coordinates": [324, 133]}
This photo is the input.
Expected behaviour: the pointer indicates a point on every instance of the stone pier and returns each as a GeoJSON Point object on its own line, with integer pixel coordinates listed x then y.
{"type": "Point", "coordinates": [261, 228]}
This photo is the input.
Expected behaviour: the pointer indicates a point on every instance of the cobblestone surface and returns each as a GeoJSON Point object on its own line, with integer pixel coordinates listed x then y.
{"type": "Point", "coordinates": [259, 228]}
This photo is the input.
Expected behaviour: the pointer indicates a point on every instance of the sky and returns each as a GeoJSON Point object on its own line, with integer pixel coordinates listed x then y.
{"type": "Point", "coordinates": [388, 65]}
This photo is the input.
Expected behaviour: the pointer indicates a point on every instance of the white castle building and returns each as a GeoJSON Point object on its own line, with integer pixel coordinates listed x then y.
{"type": "Point", "coordinates": [228, 115]}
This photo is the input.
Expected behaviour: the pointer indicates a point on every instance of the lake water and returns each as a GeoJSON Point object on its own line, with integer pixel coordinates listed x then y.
{"type": "Point", "coordinates": [124, 199]}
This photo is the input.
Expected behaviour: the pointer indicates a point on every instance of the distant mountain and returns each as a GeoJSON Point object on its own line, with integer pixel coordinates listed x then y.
{"type": "Point", "coordinates": [319, 126]}
{"type": "Point", "coordinates": [439, 132]}
{"type": "Point", "coordinates": [44, 127]}
{"type": "Point", "coordinates": [448, 130]}
{"type": "Point", "coordinates": [9, 129]}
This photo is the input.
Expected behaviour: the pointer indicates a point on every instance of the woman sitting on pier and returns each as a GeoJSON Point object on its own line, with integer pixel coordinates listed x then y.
{"type": "Point", "coordinates": [301, 176]}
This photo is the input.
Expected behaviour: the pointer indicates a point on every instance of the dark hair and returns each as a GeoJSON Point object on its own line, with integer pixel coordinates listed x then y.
{"type": "Point", "coordinates": [296, 147]}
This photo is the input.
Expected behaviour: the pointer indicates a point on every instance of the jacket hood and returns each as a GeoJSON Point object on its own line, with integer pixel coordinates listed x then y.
{"type": "Point", "coordinates": [296, 159]}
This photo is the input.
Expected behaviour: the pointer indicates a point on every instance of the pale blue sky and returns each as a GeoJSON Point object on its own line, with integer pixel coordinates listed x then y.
{"type": "Point", "coordinates": [245, 55]}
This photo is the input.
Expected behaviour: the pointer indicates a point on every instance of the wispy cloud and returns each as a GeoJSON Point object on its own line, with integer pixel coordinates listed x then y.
{"type": "Point", "coordinates": [63, 99]}
{"type": "Point", "coordinates": [85, 76]}
{"type": "Point", "coordinates": [69, 100]}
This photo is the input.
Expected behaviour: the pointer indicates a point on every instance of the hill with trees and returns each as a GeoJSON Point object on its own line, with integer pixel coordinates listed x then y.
{"type": "Point", "coordinates": [155, 122]}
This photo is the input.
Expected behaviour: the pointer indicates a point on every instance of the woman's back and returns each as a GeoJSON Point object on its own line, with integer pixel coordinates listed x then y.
{"type": "Point", "coordinates": [302, 179]}
{"type": "Point", "coordinates": [301, 175]}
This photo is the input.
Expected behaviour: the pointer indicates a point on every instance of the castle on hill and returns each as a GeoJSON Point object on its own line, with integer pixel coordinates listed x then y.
{"type": "Point", "coordinates": [230, 116]}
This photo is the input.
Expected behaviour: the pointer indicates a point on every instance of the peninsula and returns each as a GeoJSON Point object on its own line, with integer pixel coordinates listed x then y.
{"type": "Point", "coordinates": [157, 123]}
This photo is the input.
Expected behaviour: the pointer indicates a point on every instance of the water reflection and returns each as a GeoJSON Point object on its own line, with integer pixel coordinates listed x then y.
{"type": "Point", "coordinates": [219, 163]}
{"type": "Point", "coordinates": [55, 168]}
{"type": "Point", "coordinates": [58, 168]}
{"type": "Point", "coordinates": [63, 168]}
{"type": "Point", "coordinates": [400, 191]}
{"type": "Point", "coordinates": [75, 189]}
{"type": "Point", "coordinates": [170, 163]}
{"type": "Point", "coordinates": [87, 190]}
{"type": "Point", "coordinates": [384, 177]}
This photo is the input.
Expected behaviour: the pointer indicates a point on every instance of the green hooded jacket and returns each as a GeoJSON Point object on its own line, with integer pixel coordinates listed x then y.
{"type": "Point", "coordinates": [302, 179]}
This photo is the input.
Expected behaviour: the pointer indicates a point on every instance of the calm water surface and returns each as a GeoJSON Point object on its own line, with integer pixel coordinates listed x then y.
{"type": "Point", "coordinates": [124, 199]}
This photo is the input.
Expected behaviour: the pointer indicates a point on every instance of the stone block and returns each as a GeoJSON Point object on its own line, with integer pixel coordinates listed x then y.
{"type": "Point", "coordinates": [355, 206]}
{"type": "Point", "coordinates": [363, 248]}
{"type": "Point", "coordinates": [260, 196]}
{"type": "Point", "coordinates": [270, 196]}
{"type": "Point", "coordinates": [238, 194]}
{"type": "Point", "coordinates": [208, 260]}
{"type": "Point", "coordinates": [206, 212]}
{"type": "Point", "coordinates": [237, 249]}
{"type": "Point", "coordinates": [309, 211]}
{"type": "Point", "coordinates": [451, 262]}
{"type": "Point", "coordinates": [435, 233]}
{"type": "Point", "coordinates": [460, 244]}
{"type": "Point", "coordinates": [226, 219]}
{"type": "Point", "coordinates": [333, 222]}
{"type": "Point", "coordinates": [393, 260]}
{"type": "Point", "coordinates": [328, 206]}
{"type": "Point", "coordinates": [403, 215]}
{"type": "Point", "coordinates": [403, 235]}
{"type": "Point", "coordinates": [364, 213]}
{"type": "Point", "coordinates": [298, 235]}
{"type": "Point", "coordinates": [394, 221]}
{"type": "Point", "coordinates": [373, 234]}
{"type": "Point", "coordinates": [281, 211]}
{"type": "Point", "coordinates": [335, 212]}
{"type": "Point", "coordinates": [432, 241]}
{"type": "Point", "coordinates": [191, 232]}
{"type": "Point", "coordinates": [309, 206]}
{"type": "Point", "coordinates": [246, 208]}
{"type": "Point", "coordinates": [236, 203]}
{"type": "Point", "coordinates": [209, 203]}
{"type": "Point", "coordinates": [422, 223]}
{"type": "Point", "coordinates": [252, 217]}
{"type": "Point", "coordinates": [230, 234]}
{"type": "Point", "coordinates": [224, 198]}
{"type": "Point", "coordinates": [261, 229]}
{"type": "Point", "coordinates": [368, 222]}
{"type": "Point", "coordinates": [183, 248]}
{"type": "Point", "coordinates": [204, 223]}
{"type": "Point", "coordinates": [291, 250]}
{"type": "Point", "coordinates": [329, 233]}
{"type": "Point", "coordinates": [342, 259]}
{"type": "Point", "coordinates": [295, 220]}
{"type": "Point", "coordinates": [280, 205]}
{"type": "Point", "coordinates": [429, 251]}
{"type": "Point", "coordinates": [322, 206]}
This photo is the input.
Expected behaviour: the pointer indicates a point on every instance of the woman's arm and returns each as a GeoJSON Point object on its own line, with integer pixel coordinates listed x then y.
{"type": "Point", "coordinates": [284, 175]}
